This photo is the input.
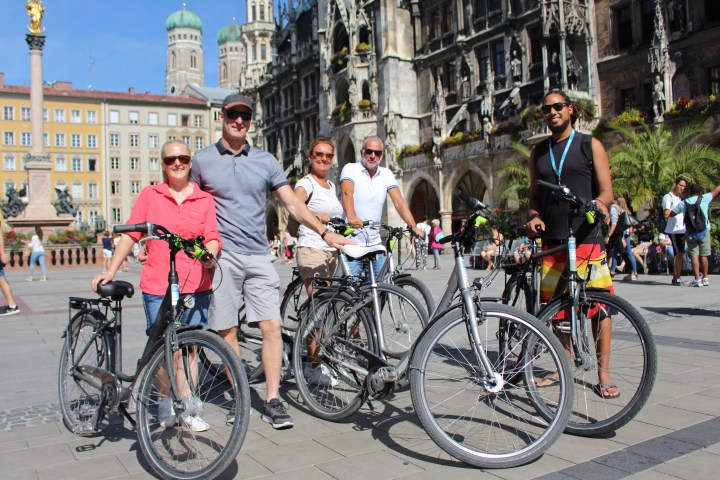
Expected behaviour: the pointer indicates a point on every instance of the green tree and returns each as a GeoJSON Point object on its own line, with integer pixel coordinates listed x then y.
{"type": "Point", "coordinates": [646, 164]}
{"type": "Point", "coordinates": [515, 175]}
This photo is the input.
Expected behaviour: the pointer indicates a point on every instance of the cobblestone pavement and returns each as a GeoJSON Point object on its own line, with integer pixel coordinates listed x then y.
{"type": "Point", "coordinates": [677, 435]}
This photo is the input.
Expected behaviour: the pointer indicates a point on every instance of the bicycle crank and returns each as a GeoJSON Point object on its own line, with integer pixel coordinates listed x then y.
{"type": "Point", "coordinates": [381, 381]}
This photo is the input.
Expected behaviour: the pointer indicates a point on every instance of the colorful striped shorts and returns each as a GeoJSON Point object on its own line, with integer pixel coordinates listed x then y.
{"type": "Point", "coordinates": [553, 269]}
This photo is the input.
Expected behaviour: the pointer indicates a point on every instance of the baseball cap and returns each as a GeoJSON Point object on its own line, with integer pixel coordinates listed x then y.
{"type": "Point", "coordinates": [237, 100]}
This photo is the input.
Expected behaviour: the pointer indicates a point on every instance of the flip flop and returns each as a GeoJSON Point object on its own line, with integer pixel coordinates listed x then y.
{"type": "Point", "coordinates": [552, 379]}
{"type": "Point", "coordinates": [598, 389]}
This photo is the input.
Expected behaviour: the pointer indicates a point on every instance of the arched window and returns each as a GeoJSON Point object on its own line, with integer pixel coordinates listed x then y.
{"type": "Point", "coordinates": [193, 60]}
{"type": "Point", "coordinates": [224, 71]}
{"type": "Point", "coordinates": [262, 11]}
{"type": "Point", "coordinates": [173, 61]}
{"type": "Point", "coordinates": [252, 12]}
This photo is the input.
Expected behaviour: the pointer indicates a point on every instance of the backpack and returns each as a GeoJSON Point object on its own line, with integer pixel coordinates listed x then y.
{"type": "Point", "coordinates": [661, 222]}
{"type": "Point", "coordinates": [695, 219]}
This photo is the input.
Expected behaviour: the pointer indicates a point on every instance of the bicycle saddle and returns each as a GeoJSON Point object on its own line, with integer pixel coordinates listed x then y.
{"type": "Point", "coordinates": [359, 252]}
{"type": "Point", "coordinates": [116, 290]}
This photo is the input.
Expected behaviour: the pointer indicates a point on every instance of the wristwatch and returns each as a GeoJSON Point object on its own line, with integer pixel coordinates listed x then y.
{"type": "Point", "coordinates": [327, 230]}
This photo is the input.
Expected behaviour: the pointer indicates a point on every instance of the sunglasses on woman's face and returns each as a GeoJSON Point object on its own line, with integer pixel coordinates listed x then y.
{"type": "Point", "coordinates": [234, 114]}
{"type": "Point", "coordinates": [553, 106]}
{"type": "Point", "coordinates": [184, 159]}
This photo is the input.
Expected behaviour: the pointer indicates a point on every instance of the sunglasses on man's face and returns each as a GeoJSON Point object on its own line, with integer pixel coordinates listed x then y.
{"type": "Point", "coordinates": [377, 153]}
{"type": "Point", "coordinates": [234, 114]}
{"type": "Point", "coordinates": [184, 159]}
{"type": "Point", "coordinates": [553, 106]}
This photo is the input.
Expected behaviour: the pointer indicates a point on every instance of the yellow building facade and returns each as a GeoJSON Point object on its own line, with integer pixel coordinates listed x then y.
{"type": "Point", "coordinates": [72, 139]}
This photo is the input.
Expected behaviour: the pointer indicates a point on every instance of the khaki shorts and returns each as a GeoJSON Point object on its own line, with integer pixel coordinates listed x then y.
{"type": "Point", "coordinates": [248, 278]}
{"type": "Point", "coordinates": [699, 247]}
{"type": "Point", "coordinates": [313, 262]}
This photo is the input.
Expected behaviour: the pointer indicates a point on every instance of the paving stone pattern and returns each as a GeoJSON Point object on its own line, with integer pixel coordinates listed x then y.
{"type": "Point", "coordinates": [676, 436]}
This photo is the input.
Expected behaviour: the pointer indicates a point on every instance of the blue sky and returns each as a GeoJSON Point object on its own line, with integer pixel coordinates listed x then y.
{"type": "Point", "coordinates": [108, 44]}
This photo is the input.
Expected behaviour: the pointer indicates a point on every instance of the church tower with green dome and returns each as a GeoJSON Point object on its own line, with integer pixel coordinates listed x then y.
{"type": "Point", "coordinates": [232, 58]}
{"type": "Point", "coordinates": [185, 54]}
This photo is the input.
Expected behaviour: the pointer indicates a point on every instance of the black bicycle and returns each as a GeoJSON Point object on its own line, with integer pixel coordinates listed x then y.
{"type": "Point", "coordinates": [600, 330]}
{"type": "Point", "coordinates": [191, 373]}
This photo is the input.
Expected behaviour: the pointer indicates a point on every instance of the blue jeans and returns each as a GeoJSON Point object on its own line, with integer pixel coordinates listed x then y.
{"type": "Point", "coordinates": [34, 256]}
{"type": "Point", "coordinates": [356, 266]}
{"type": "Point", "coordinates": [436, 256]}
{"type": "Point", "coordinates": [197, 315]}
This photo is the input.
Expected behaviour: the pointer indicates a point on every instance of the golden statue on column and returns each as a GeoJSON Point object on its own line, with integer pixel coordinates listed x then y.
{"type": "Point", "coordinates": [35, 12]}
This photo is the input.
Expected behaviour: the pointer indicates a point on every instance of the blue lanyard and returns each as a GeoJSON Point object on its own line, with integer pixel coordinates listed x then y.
{"type": "Point", "coordinates": [558, 169]}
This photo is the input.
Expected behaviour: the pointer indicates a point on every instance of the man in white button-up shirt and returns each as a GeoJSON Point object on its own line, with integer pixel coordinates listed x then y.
{"type": "Point", "coordinates": [365, 187]}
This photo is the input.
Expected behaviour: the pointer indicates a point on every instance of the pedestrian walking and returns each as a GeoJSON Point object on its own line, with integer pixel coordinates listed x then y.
{"type": "Point", "coordinates": [37, 254]}
{"type": "Point", "coordinates": [11, 308]}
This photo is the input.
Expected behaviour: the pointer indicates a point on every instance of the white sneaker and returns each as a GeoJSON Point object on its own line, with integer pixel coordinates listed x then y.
{"type": "Point", "coordinates": [321, 376]}
{"type": "Point", "coordinates": [194, 424]}
{"type": "Point", "coordinates": [696, 283]}
{"type": "Point", "coordinates": [706, 282]}
{"type": "Point", "coordinates": [166, 412]}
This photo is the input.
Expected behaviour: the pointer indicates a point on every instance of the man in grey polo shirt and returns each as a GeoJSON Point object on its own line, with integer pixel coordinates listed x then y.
{"type": "Point", "coordinates": [239, 176]}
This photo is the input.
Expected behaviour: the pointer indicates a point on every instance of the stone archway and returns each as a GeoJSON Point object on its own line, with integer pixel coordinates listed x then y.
{"type": "Point", "coordinates": [344, 153]}
{"type": "Point", "coordinates": [473, 185]}
{"type": "Point", "coordinates": [424, 201]}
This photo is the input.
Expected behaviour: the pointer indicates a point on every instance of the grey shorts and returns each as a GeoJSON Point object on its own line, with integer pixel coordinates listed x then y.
{"type": "Point", "coordinates": [248, 278]}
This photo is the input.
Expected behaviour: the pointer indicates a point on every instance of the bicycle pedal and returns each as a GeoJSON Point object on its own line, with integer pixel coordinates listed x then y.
{"type": "Point", "coordinates": [383, 376]}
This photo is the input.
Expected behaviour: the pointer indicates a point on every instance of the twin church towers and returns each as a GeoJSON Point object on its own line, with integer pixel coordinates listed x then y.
{"type": "Point", "coordinates": [244, 50]}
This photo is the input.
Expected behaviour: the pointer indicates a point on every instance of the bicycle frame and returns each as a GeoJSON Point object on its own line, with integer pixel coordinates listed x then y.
{"type": "Point", "coordinates": [164, 331]}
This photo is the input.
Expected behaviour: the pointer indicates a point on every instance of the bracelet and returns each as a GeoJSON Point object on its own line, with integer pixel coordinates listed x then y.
{"type": "Point", "coordinates": [533, 216]}
{"type": "Point", "coordinates": [595, 201]}
{"type": "Point", "coordinates": [327, 230]}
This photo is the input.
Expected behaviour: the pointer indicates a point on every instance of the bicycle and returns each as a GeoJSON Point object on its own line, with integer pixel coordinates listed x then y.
{"type": "Point", "coordinates": [91, 381]}
{"type": "Point", "coordinates": [632, 348]}
{"type": "Point", "coordinates": [295, 296]}
{"type": "Point", "coordinates": [459, 369]}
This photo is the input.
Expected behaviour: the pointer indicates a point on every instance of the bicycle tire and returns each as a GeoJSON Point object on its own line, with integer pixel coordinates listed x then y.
{"type": "Point", "coordinates": [325, 324]}
{"type": "Point", "coordinates": [418, 289]}
{"type": "Point", "coordinates": [80, 401]}
{"type": "Point", "coordinates": [403, 318]}
{"type": "Point", "coordinates": [633, 368]}
{"type": "Point", "coordinates": [518, 294]}
{"type": "Point", "coordinates": [294, 297]}
{"type": "Point", "coordinates": [462, 415]}
{"type": "Point", "coordinates": [179, 452]}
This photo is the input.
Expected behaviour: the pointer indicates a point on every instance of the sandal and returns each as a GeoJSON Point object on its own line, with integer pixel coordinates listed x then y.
{"type": "Point", "coordinates": [598, 389]}
{"type": "Point", "coordinates": [547, 381]}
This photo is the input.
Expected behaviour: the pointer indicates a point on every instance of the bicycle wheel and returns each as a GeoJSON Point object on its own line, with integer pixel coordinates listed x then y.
{"type": "Point", "coordinates": [417, 289]}
{"type": "Point", "coordinates": [81, 395]}
{"type": "Point", "coordinates": [294, 297]}
{"type": "Point", "coordinates": [489, 424]}
{"type": "Point", "coordinates": [632, 361]}
{"type": "Point", "coordinates": [403, 318]}
{"type": "Point", "coordinates": [518, 293]}
{"type": "Point", "coordinates": [212, 414]}
{"type": "Point", "coordinates": [328, 340]}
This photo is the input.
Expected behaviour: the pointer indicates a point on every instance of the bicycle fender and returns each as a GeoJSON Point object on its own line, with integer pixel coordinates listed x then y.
{"type": "Point", "coordinates": [96, 314]}
{"type": "Point", "coordinates": [185, 328]}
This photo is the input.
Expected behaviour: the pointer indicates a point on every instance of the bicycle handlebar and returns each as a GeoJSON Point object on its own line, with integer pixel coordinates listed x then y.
{"type": "Point", "coordinates": [193, 247]}
{"type": "Point", "coordinates": [474, 204]}
{"type": "Point", "coordinates": [587, 207]}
